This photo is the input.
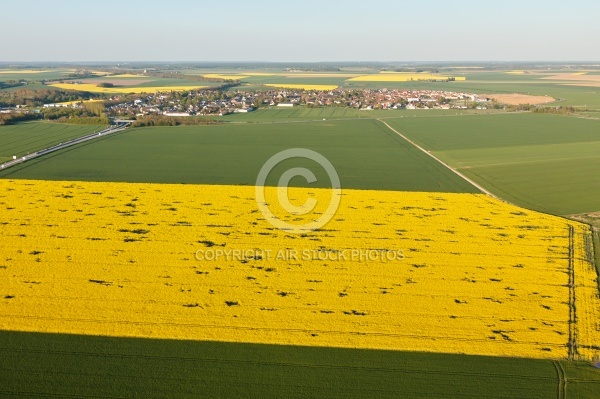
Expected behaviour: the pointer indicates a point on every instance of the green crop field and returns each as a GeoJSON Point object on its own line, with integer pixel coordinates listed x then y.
{"type": "Point", "coordinates": [302, 114]}
{"type": "Point", "coordinates": [23, 138]}
{"type": "Point", "coordinates": [545, 162]}
{"type": "Point", "coordinates": [14, 74]}
{"type": "Point", "coordinates": [365, 154]}
{"type": "Point", "coordinates": [60, 365]}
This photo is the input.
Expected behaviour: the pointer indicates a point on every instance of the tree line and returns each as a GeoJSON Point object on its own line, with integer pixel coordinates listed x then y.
{"type": "Point", "coordinates": [40, 97]}
{"type": "Point", "coordinates": [162, 120]}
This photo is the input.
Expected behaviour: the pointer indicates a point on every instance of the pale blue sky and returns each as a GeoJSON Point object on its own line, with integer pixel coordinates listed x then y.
{"type": "Point", "coordinates": [302, 30]}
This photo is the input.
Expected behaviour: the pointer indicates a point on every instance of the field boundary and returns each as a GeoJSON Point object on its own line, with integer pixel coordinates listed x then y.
{"type": "Point", "coordinates": [572, 345]}
{"type": "Point", "coordinates": [477, 186]}
{"type": "Point", "coordinates": [596, 249]}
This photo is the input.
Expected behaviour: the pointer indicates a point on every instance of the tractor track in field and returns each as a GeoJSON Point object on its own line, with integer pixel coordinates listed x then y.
{"type": "Point", "coordinates": [561, 392]}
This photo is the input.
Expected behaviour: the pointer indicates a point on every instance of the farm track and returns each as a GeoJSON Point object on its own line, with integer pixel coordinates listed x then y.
{"type": "Point", "coordinates": [561, 392]}
{"type": "Point", "coordinates": [572, 346]}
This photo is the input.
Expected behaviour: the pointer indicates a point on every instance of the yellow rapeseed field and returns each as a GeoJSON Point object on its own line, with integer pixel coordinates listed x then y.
{"type": "Point", "coordinates": [302, 86]}
{"type": "Point", "coordinates": [587, 300]}
{"type": "Point", "coordinates": [21, 71]}
{"type": "Point", "coordinates": [93, 88]}
{"type": "Point", "coordinates": [402, 77]}
{"type": "Point", "coordinates": [455, 273]}
{"type": "Point", "coordinates": [93, 100]}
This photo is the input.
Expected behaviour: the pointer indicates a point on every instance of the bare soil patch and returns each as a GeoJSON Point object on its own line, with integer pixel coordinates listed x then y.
{"type": "Point", "coordinates": [592, 218]}
{"type": "Point", "coordinates": [576, 78]}
{"type": "Point", "coordinates": [586, 84]}
{"type": "Point", "coordinates": [516, 99]}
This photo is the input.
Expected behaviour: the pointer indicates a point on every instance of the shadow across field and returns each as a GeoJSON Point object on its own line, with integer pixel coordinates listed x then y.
{"type": "Point", "coordinates": [52, 365]}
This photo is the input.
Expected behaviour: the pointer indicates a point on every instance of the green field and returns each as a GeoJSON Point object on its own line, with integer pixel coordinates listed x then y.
{"type": "Point", "coordinates": [305, 114]}
{"type": "Point", "coordinates": [365, 154]}
{"type": "Point", "coordinates": [23, 138]}
{"type": "Point", "coordinates": [545, 162]}
{"type": "Point", "coordinates": [301, 114]}
{"type": "Point", "coordinates": [39, 365]}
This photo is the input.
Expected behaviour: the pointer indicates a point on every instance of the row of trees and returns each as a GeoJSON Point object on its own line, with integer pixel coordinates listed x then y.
{"type": "Point", "coordinates": [161, 120]}
{"type": "Point", "coordinates": [92, 113]}
{"type": "Point", "coordinates": [9, 119]}
{"type": "Point", "coordinates": [558, 110]}
{"type": "Point", "coordinates": [12, 98]}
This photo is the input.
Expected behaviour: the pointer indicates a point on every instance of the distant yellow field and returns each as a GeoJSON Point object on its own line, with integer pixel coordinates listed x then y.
{"type": "Point", "coordinates": [82, 101]}
{"type": "Point", "coordinates": [457, 273]}
{"type": "Point", "coordinates": [93, 88]}
{"type": "Point", "coordinates": [301, 86]}
{"type": "Point", "coordinates": [402, 77]}
{"type": "Point", "coordinates": [516, 72]}
{"type": "Point", "coordinates": [18, 71]}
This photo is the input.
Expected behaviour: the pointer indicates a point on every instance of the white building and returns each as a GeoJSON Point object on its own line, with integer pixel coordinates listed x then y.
{"type": "Point", "coordinates": [243, 110]}
{"type": "Point", "coordinates": [176, 113]}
